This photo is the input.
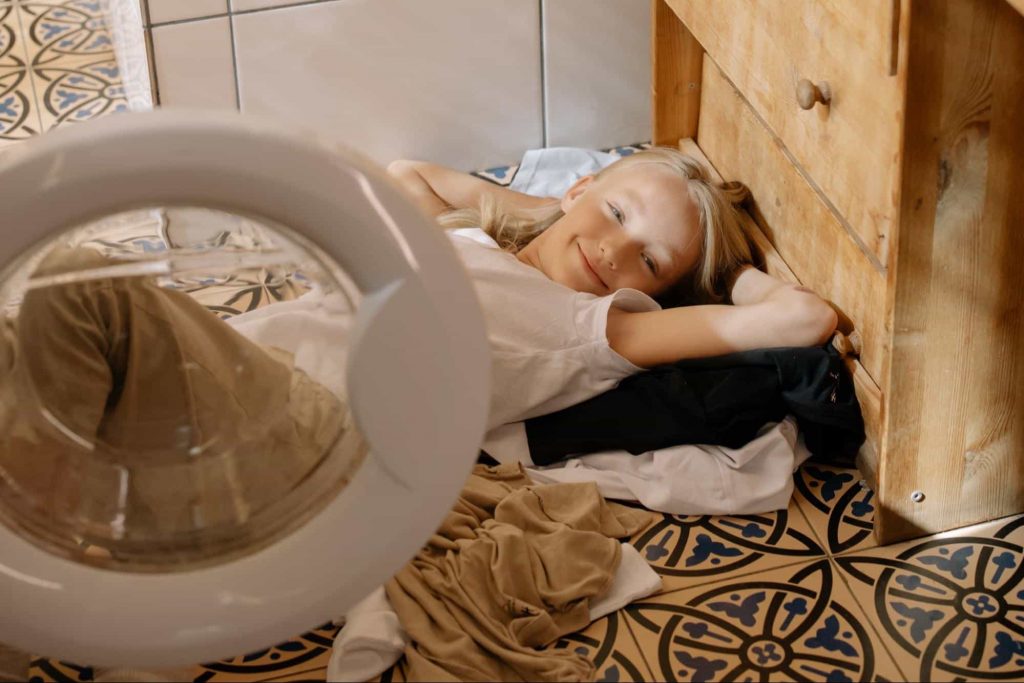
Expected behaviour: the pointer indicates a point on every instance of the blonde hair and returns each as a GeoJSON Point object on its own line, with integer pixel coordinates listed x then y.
{"type": "Point", "coordinates": [725, 246]}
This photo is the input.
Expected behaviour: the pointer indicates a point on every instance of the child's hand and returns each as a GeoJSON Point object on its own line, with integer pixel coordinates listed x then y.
{"type": "Point", "coordinates": [847, 345]}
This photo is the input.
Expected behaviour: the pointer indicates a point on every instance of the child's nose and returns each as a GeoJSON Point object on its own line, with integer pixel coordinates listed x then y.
{"type": "Point", "coordinates": [615, 251]}
{"type": "Point", "coordinates": [606, 256]}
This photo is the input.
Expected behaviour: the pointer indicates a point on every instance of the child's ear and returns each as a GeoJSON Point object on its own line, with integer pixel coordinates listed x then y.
{"type": "Point", "coordinates": [575, 192]}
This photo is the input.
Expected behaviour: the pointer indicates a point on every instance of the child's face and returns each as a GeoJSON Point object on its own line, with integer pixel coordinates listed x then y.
{"type": "Point", "coordinates": [633, 227]}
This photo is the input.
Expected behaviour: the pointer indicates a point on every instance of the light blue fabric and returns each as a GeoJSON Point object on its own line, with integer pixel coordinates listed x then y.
{"type": "Point", "coordinates": [551, 172]}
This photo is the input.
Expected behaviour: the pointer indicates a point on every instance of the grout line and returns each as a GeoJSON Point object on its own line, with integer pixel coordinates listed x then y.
{"type": "Point", "coordinates": [187, 20]}
{"type": "Point", "coordinates": [154, 79]}
{"type": "Point", "coordinates": [823, 542]}
{"type": "Point", "coordinates": [636, 641]}
{"type": "Point", "coordinates": [729, 576]}
{"type": "Point", "coordinates": [234, 62]}
{"type": "Point", "coordinates": [543, 77]}
{"type": "Point", "coordinates": [861, 548]}
{"type": "Point", "coordinates": [866, 614]}
{"type": "Point", "coordinates": [30, 72]}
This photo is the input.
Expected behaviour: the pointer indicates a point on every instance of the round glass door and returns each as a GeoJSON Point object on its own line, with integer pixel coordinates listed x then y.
{"type": "Point", "coordinates": [242, 378]}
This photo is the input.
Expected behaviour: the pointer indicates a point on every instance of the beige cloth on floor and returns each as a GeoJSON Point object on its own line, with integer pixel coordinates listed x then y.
{"type": "Point", "coordinates": [512, 569]}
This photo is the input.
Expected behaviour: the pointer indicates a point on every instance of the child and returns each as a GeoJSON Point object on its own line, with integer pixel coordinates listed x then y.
{"type": "Point", "coordinates": [569, 298]}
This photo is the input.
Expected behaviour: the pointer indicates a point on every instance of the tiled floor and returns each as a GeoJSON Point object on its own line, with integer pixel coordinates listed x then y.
{"type": "Point", "coordinates": [57, 66]}
{"type": "Point", "coordinates": [803, 594]}
{"type": "Point", "coordinates": [797, 595]}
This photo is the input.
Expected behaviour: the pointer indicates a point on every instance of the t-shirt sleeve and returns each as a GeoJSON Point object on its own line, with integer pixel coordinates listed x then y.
{"type": "Point", "coordinates": [591, 315]}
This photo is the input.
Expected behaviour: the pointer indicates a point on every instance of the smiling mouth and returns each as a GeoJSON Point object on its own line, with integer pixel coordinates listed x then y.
{"type": "Point", "coordinates": [590, 269]}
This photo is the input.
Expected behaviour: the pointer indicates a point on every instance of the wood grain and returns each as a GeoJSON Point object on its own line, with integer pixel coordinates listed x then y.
{"type": "Point", "coordinates": [765, 48]}
{"type": "Point", "coordinates": [868, 393]}
{"type": "Point", "coordinates": [802, 228]}
{"type": "Point", "coordinates": [676, 59]}
{"type": "Point", "coordinates": [956, 416]}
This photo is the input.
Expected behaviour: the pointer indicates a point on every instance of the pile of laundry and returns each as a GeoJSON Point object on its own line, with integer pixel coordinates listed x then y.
{"type": "Point", "coordinates": [530, 552]}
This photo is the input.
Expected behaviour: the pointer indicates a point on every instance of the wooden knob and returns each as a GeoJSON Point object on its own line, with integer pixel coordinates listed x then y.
{"type": "Point", "coordinates": [808, 93]}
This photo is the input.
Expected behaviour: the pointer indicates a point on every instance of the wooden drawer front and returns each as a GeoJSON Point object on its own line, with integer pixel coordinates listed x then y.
{"type": "Point", "coordinates": [849, 149]}
{"type": "Point", "coordinates": [806, 234]}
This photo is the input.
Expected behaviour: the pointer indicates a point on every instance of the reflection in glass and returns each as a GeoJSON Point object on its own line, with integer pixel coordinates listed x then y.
{"type": "Point", "coordinates": [172, 390]}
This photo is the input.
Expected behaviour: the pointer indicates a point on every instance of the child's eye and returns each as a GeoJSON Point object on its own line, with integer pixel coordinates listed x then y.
{"type": "Point", "coordinates": [615, 212]}
{"type": "Point", "coordinates": [651, 264]}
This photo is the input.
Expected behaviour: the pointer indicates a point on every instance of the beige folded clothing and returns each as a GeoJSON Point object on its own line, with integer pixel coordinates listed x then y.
{"type": "Point", "coordinates": [512, 569]}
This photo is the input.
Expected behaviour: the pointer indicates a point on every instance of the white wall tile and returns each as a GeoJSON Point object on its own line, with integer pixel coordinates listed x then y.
{"type": "Point", "coordinates": [452, 81]}
{"type": "Point", "coordinates": [194, 67]}
{"type": "Point", "coordinates": [175, 10]}
{"type": "Point", "coordinates": [243, 5]}
{"type": "Point", "coordinates": [597, 75]}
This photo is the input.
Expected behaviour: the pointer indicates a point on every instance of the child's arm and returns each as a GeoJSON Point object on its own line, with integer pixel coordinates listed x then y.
{"type": "Point", "coordinates": [767, 313]}
{"type": "Point", "coordinates": [437, 189]}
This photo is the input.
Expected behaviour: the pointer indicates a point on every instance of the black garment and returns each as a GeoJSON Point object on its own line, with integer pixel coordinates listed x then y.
{"type": "Point", "coordinates": [723, 401]}
{"type": "Point", "coordinates": [484, 458]}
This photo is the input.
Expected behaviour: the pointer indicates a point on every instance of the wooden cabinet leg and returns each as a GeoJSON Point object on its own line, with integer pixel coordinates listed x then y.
{"type": "Point", "coordinates": [677, 59]}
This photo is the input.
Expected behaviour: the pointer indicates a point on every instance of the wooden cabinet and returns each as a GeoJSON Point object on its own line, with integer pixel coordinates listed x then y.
{"type": "Point", "coordinates": [883, 142]}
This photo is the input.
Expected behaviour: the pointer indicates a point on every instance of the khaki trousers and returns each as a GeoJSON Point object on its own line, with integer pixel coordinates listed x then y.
{"type": "Point", "coordinates": [125, 404]}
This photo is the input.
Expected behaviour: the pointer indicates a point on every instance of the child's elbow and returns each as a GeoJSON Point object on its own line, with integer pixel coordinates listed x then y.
{"type": "Point", "coordinates": [401, 167]}
{"type": "Point", "coordinates": [817, 322]}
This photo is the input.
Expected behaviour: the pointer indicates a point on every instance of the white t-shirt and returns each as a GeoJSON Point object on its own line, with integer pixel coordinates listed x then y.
{"type": "Point", "coordinates": [548, 343]}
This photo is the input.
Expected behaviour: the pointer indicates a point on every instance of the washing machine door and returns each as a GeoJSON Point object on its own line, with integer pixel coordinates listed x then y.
{"type": "Point", "coordinates": [242, 379]}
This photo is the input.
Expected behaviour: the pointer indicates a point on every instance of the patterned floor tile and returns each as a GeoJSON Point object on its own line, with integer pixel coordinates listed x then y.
{"type": "Point", "coordinates": [500, 175]}
{"type": "Point", "coordinates": [47, 670]}
{"type": "Point", "coordinates": [306, 655]}
{"type": "Point", "coordinates": [838, 505]}
{"type": "Point", "coordinates": [626, 150]}
{"type": "Point", "coordinates": [692, 550]}
{"type": "Point", "coordinates": [71, 59]}
{"type": "Point", "coordinates": [792, 623]}
{"type": "Point", "coordinates": [19, 118]}
{"type": "Point", "coordinates": [611, 647]}
{"type": "Point", "coordinates": [10, 36]}
{"type": "Point", "coordinates": [65, 31]}
{"type": "Point", "coordinates": [951, 605]}
{"type": "Point", "coordinates": [72, 94]}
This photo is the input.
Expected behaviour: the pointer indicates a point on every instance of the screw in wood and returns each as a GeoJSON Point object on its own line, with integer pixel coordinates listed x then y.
{"type": "Point", "coordinates": [917, 496]}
